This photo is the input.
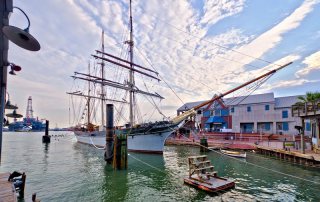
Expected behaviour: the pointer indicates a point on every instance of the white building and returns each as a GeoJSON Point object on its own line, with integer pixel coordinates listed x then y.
{"type": "Point", "coordinates": [252, 114]}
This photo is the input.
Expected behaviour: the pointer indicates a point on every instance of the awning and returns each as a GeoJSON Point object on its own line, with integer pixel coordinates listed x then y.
{"type": "Point", "coordinates": [215, 120]}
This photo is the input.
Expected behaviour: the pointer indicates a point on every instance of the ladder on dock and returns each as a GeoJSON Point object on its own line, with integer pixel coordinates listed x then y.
{"type": "Point", "coordinates": [201, 167]}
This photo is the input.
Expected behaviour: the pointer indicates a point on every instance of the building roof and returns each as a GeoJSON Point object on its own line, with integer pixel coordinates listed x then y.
{"type": "Point", "coordinates": [190, 105]}
{"type": "Point", "coordinates": [288, 101]}
{"type": "Point", "coordinates": [251, 99]}
{"type": "Point", "coordinates": [280, 102]}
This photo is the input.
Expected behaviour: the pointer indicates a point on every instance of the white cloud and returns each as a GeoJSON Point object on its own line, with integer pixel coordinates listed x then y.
{"type": "Point", "coordinates": [214, 10]}
{"type": "Point", "coordinates": [312, 63]}
{"type": "Point", "coordinates": [69, 31]}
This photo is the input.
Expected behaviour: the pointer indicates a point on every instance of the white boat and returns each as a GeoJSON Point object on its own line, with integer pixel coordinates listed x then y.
{"type": "Point", "coordinates": [145, 143]}
{"type": "Point", "coordinates": [236, 154]}
{"type": "Point", "coordinates": [24, 129]}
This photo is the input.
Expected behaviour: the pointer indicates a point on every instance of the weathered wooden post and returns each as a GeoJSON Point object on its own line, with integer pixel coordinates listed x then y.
{"type": "Point", "coordinates": [109, 135]}
{"type": "Point", "coordinates": [203, 144]}
{"type": "Point", "coordinates": [302, 137]}
{"type": "Point", "coordinates": [46, 137]}
{"type": "Point", "coordinates": [120, 158]}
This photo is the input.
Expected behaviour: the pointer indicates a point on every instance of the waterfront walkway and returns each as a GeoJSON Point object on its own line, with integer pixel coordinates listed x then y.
{"type": "Point", "coordinates": [247, 143]}
{"type": "Point", "coordinates": [7, 190]}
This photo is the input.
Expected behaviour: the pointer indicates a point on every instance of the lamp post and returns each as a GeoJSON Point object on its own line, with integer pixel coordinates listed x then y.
{"type": "Point", "coordinates": [18, 36]}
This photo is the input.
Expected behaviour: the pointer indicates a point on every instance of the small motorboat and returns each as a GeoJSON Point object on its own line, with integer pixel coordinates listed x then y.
{"type": "Point", "coordinates": [236, 154]}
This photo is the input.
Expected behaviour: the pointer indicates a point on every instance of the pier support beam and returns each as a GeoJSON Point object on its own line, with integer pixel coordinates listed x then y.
{"type": "Point", "coordinates": [108, 155]}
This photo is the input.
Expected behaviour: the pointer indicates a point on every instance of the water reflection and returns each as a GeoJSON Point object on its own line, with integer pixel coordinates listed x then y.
{"type": "Point", "coordinates": [115, 184]}
{"type": "Point", "coordinates": [46, 147]}
{"type": "Point", "coordinates": [79, 173]}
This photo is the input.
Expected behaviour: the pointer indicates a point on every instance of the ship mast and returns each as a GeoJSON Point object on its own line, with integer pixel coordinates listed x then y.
{"type": "Point", "coordinates": [102, 77]}
{"type": "Point", "coordinates": [131, 75]}
{"type": "Point", "coordinates": [88, 99]}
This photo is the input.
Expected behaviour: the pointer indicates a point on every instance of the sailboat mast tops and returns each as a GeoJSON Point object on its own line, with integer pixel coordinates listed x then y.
{"type": "Point", "coordinates": [119, 60]}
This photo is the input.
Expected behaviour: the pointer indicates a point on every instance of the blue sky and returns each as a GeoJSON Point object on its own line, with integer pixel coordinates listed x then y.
{"type": "Point", "coordinates": [178, 37]}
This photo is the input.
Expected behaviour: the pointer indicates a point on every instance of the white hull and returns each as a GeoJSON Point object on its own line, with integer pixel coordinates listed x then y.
{"type": "Point", "coordinates": [147, 143]}
{"type": "Point", "coordinates": [234, 154]}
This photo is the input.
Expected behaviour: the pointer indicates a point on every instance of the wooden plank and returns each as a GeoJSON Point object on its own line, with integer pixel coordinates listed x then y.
{"type": "Point", "coordinates": [7, 191]}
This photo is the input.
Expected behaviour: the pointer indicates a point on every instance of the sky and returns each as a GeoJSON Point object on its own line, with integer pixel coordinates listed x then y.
{"type": "Point", "coordinates": [198, 47]}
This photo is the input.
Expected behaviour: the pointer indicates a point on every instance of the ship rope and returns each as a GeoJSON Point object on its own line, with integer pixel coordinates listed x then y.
{"type": "Point", "coordinates": [95, 146]}
{"type": "Point", "coordinates": [162, 78]}
{"type": "Point", "coordinates": [174, 175]}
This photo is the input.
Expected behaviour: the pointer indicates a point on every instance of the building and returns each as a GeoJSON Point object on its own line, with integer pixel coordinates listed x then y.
{"type": "Point", "coordinates": [310, 111]}
{"type": "Point", "coordinates": [260, 113]}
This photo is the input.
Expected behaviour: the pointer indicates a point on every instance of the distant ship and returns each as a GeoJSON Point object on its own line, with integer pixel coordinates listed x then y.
{"type": "Point", "coordinates": [29, 123]}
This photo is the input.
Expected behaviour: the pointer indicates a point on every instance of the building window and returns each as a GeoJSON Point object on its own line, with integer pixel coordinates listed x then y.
{"type": "Point", "coordinates": [284, 114]}
{"type": "Point", "coordinates": [279, 126]}
{"type": "Point", "coordinates": [232, 109]}
{"type": "Point", "coordinates": [206, 113]}
{"type": "Point", "coordinates": [267, 107]}
{"type": "Point", "coordinates": [285, 126]}
{"type": "Point", "coordinates": [267, 126]}
{"type": "Point", "coordinates": [308, 126]}
{"type": "Point", "coordinates": [249, 109]}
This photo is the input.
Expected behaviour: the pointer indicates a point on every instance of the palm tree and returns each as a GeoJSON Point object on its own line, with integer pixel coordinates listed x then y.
{"type": "Point", "coordinates": [309, 97]}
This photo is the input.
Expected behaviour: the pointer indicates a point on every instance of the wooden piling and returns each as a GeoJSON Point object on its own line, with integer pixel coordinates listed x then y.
{"type": "Point", "coordinates": [46, 138]}
{"type": "Point", "coordinates": [203, 145]}
{"type": "Point", "coordinates": [108, 156]}
{"type": "Point", "coordinates": [120, 158]}
{"type": "Point", "coordinates": [21, 191]}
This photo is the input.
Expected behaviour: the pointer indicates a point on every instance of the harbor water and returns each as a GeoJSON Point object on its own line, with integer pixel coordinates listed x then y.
{"type": "Point", "coordinates": [65, 170]}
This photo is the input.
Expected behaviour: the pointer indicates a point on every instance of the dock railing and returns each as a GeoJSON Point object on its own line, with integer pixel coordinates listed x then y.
{"type": "Point", "coordinates": [306, 109]}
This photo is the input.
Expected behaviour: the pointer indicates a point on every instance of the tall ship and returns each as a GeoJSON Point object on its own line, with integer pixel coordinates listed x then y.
{"type": "Point", "coordinates": [29, 123]}
{"type": "Point", "coordinates": [147, 137]}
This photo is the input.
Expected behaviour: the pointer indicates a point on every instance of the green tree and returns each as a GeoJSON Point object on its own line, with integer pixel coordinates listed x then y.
{"type": "Point", "coordinates": [309, 97]}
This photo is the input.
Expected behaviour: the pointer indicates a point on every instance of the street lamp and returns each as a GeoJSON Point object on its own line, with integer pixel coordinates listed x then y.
{"type": "Point", "coordinates": [18, 36]}
{"type": "Point", "coordinates": [21, 37]}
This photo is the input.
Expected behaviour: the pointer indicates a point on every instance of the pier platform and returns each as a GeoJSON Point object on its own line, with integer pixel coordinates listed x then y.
{"type": "Point", "coordinates": [7, 190]}
{"type": "Point", "coordinates": [309, 159]}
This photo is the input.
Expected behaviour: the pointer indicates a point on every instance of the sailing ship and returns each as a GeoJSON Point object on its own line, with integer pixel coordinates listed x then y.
{"type": "Point", "coordinates": [145, 137]}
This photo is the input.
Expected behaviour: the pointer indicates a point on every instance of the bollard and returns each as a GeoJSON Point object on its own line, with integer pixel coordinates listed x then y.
{"type": "Point", "coordinates": [46, 137]}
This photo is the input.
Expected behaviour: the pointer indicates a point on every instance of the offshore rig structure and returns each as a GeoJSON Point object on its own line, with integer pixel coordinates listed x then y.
{"type": "Point", "coordinates": [29, 123]}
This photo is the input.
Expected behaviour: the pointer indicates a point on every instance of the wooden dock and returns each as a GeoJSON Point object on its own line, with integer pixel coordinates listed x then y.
{"type": "Point", "coordinates": [293, 156]}
{"type": "Point", "coordinates": [7, 190]}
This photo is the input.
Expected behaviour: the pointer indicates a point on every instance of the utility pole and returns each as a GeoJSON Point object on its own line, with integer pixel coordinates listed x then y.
{"type": "Point", "coordinates": [5, 8]}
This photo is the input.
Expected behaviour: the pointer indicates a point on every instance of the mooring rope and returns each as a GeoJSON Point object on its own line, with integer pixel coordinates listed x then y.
{"type": "Point", "coordinates": [101, 148]}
